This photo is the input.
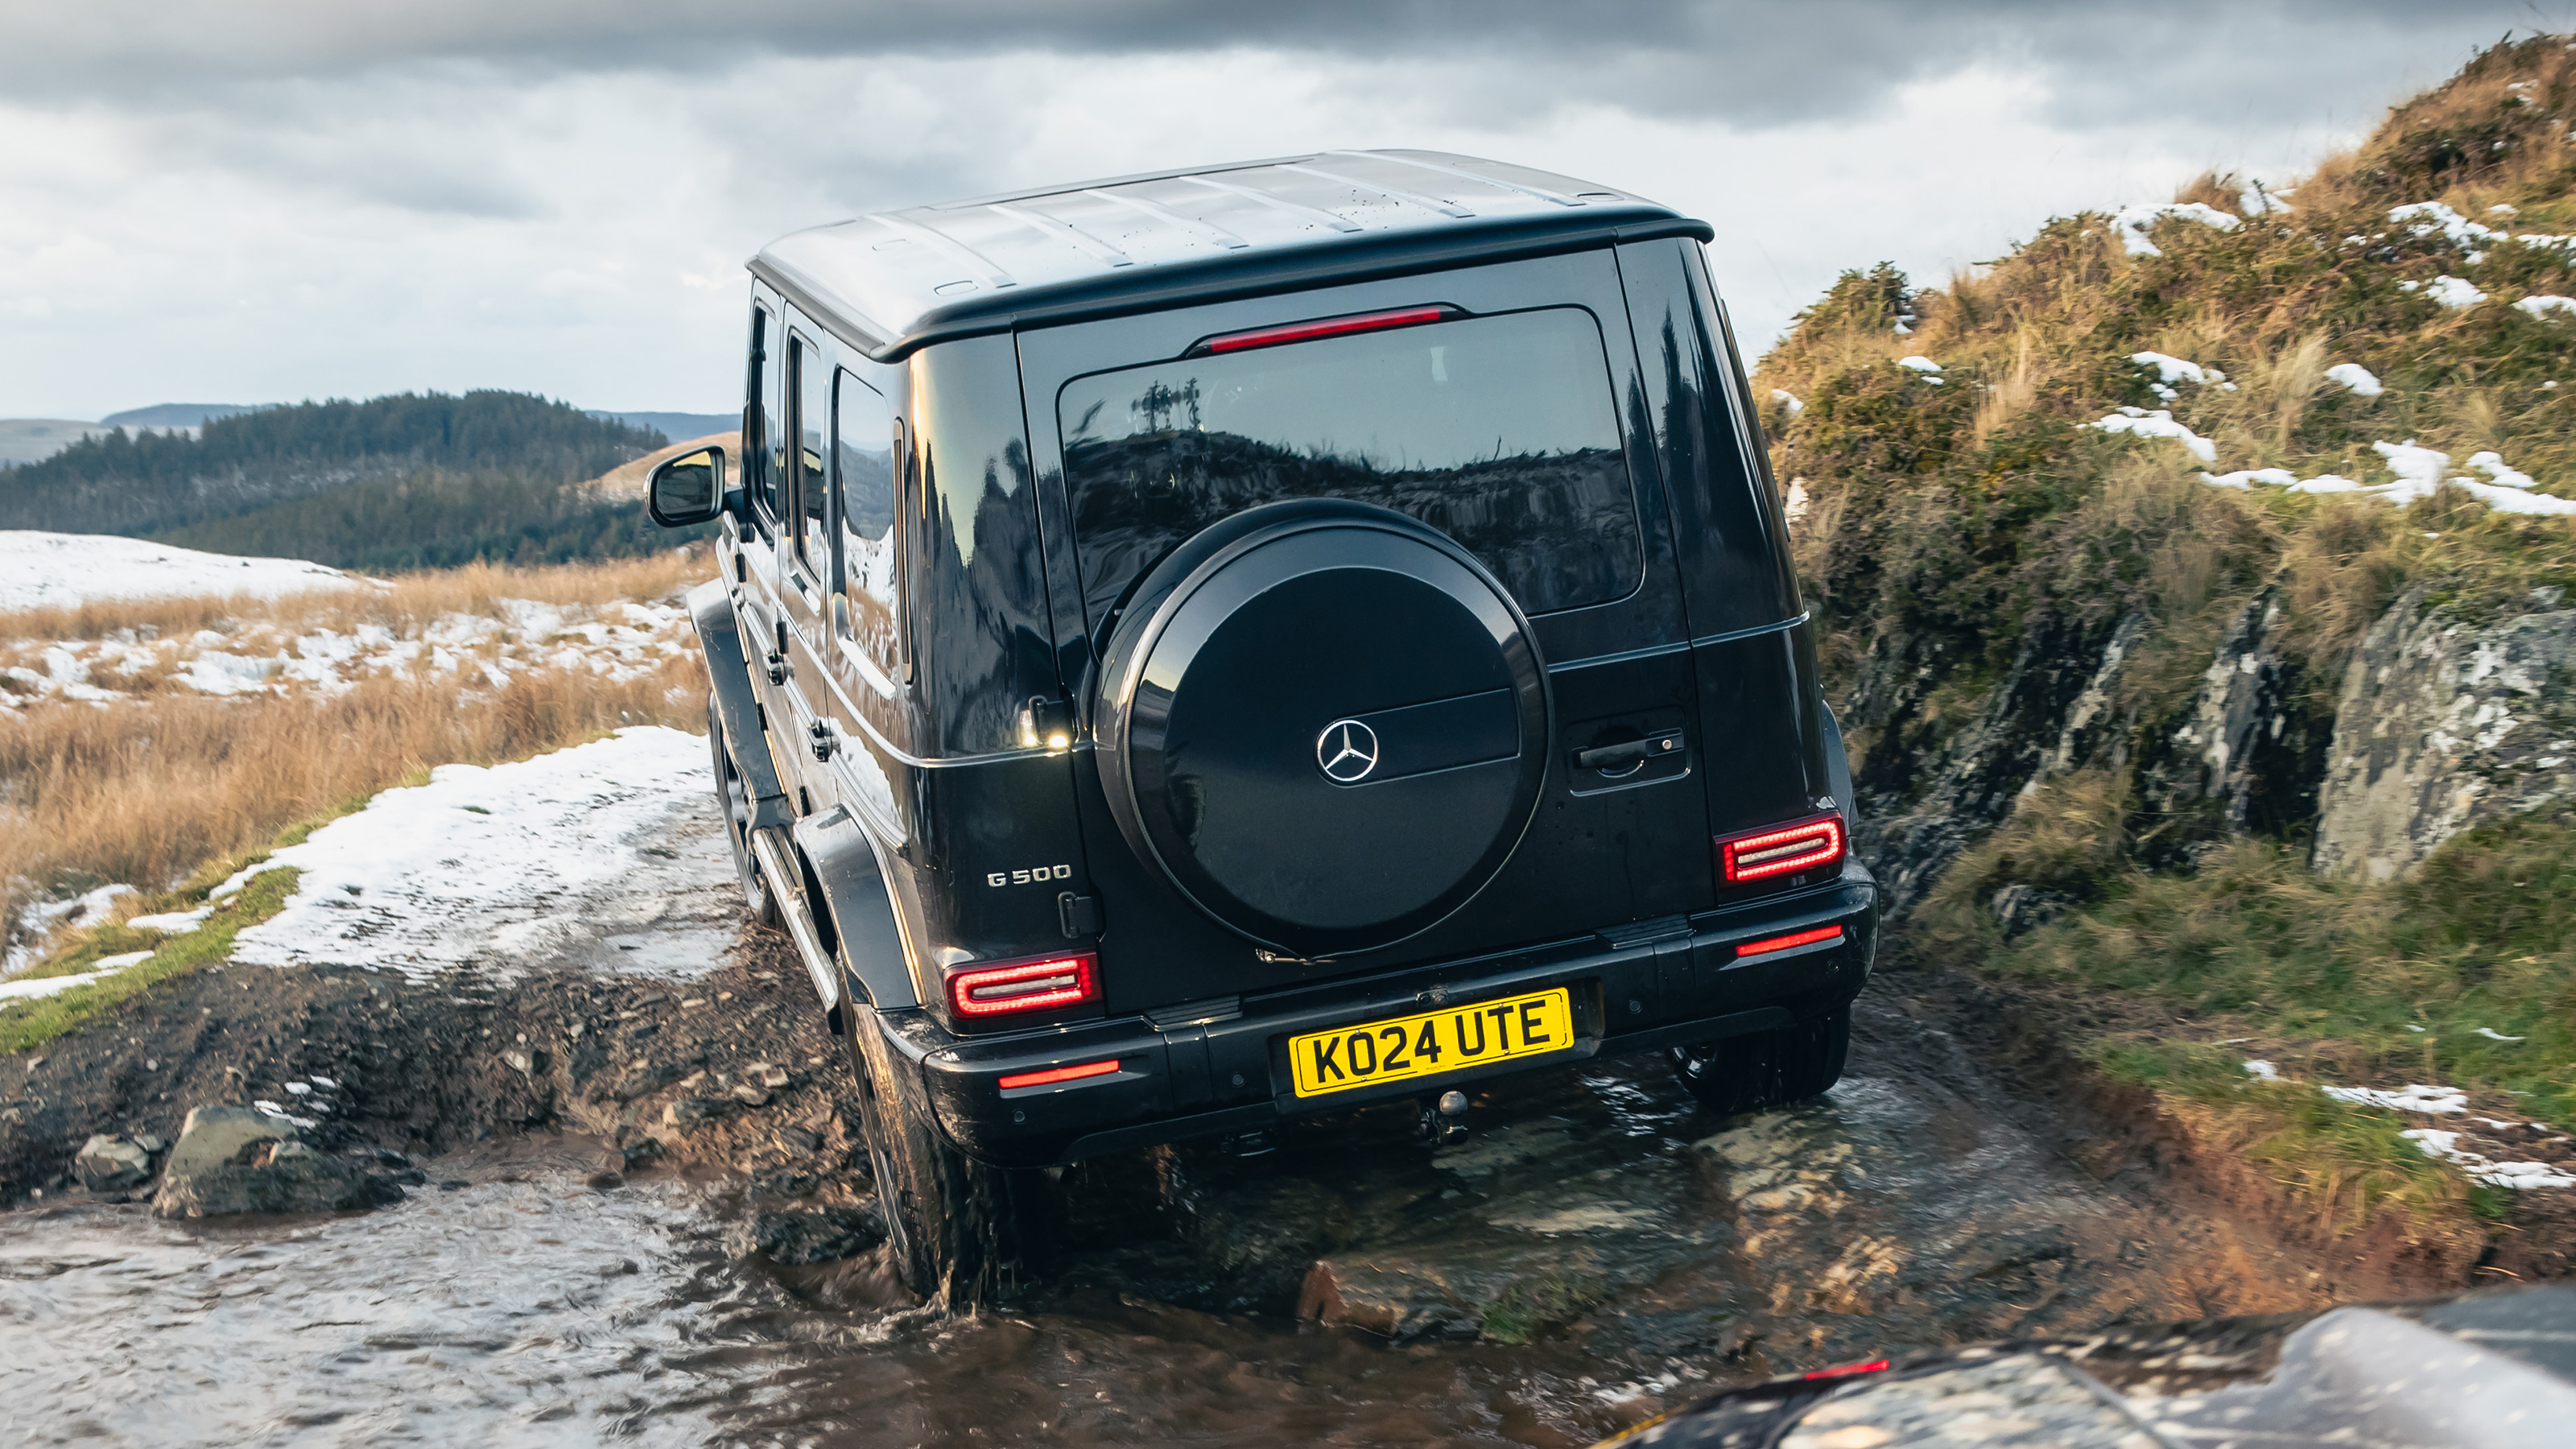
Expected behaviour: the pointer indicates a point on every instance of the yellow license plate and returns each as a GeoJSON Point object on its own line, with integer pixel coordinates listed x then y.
{"type": "Point", "coordinates": [1452, 1039]}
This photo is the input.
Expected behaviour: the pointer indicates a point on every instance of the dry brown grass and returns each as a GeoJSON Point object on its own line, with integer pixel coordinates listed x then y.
{"type": "Point", "coordinates": [147, 791]}
{"type": "Point", "coordinates": [407, 601]}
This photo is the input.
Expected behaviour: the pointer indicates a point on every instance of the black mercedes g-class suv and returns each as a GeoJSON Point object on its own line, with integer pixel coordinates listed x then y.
{"type": "Point", "coordinates": [1226, 645]}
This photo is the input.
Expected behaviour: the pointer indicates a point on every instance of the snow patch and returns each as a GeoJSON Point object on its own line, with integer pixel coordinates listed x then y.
{"type": "Point", "coordinates": [258, 657]}
{"type": "Point", "coordinates": [2432, 218]}
{"type": "Point", "coordinates": [606, 855]}
{"type": "Point", "coordinates": [2132, 223]}
{"type": "Point", "coordinates": [2356, 377]}
{"type": "Point", "coordinates": [2452, 292]}
{"type": "Point", "coordinates": [2140, 422]}
{"type": "Point", "coordinates": [2417, 1097]}
{"type": "Point", "coordinates": [2263, 1071]}
{"type": "Point", "coordinates": [44, 986]}
{"type": "Point", "coordinates": [1788, 401]}
{"type": "Point", "coordinates": [1918, 364]}
{"type": "Point", "coordinates": [2171, 370]}
{"type": "Point", "coordinates": [66, 570]}
{"type": "Point", "coordinates": [2445, 1147]}
{"type": "Point", "coordinates": [2545, 305]}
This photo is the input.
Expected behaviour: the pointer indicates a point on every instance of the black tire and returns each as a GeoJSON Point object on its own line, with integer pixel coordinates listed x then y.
{"type": "Point", "coordinates": [1767, 1069]}
{"type": "Point", "coordinates": [735, 801]}
{"type": "Point", "coordinates": [948, 1218]}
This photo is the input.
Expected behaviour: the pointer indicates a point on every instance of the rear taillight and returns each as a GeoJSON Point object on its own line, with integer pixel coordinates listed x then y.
{"type": "Point", "coordinates": [1040, 985]}
{"type": "Point", "coordinates": [1781, 850]}
{"type": "Point", "coordinates": [1789, 942]}
{"type": "Point", "coordinates": [1053, 1075]}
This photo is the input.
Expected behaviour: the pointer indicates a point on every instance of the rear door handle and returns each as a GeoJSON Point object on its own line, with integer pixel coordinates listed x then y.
{"type": "Point", "coordinates": [1633, 752]}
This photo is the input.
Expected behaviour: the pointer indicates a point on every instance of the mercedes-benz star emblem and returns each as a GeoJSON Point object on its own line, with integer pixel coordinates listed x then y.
{"type": "Point", "coordinates": [1347, 750]}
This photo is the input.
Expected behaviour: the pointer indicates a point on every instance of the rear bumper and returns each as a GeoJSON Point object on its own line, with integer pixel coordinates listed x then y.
{"type": "Point", "coordinates": [1224, 1070]}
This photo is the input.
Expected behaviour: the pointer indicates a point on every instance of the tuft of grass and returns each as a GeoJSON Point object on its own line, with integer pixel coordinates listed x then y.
{"type": "Point", "coordinates": [29, 1024]}
{"type": "Point", "coordinates": [2346, 1164]}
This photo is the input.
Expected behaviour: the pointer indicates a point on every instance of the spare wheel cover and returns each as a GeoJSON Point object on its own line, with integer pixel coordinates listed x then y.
{"type": "Point", "coordinates": [1326, 723]}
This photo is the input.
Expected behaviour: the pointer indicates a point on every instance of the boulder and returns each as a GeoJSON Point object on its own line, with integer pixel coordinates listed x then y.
{"type": "Point", "coordinates": [237, 1160]}
{"type": "Point", "coordinates": [2444, 725]}
{"type": "Point", "coordinates": [107, 1164]}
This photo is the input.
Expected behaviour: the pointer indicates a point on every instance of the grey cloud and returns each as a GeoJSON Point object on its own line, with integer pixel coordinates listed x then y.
{"type": "Point", "coordinates": [1751, 62]}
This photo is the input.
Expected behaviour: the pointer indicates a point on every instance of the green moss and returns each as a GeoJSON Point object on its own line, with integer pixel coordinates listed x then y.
{"type": "Point", "coordinates": [1530, 1306]}
{"type": "Point", "coordinates": [29, 1024]}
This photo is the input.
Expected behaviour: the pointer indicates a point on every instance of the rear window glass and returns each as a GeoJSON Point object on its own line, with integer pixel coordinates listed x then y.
{"type": "Point", "coordinates": [1500, 431]}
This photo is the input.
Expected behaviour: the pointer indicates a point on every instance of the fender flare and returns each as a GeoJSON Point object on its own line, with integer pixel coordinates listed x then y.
{"type": "Point", "coordinates": [858, 913]}
{"type": "Point", "coordinates": [729, 672]}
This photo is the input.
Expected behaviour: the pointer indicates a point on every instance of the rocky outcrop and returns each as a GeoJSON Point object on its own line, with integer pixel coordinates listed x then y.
{"type": "Point", "coordinates": [1926, 793]}
{"type": "Point", "coordinates": [108, 1165]}
{"type": "Point", "coordinates": [2443, 725]}
{"type": "Point", "coordinates": [240, 1160]}
{"type": "Point", "coordinates": [2245, 745]}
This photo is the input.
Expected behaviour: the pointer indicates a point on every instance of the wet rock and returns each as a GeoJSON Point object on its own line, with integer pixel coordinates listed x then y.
{"type": "Point", "coordinates": [785, 1184]}
{"type": "Point", "coordinates": [689, 1112]}
{"type": "Point", "coordinates": [2444, 725]}
{"type": "Point", "coordinates": [1928, 788]}
{"type": "Point", "coordinates": [801, 1236]}
{"type": "Point", "coordinates": [643, 1078]}
{"type": "Point", "coordinates": [236, 1160]}
{"type": "Point", "coordinates": [1398, 1299]}
{"type": "Point", "coordinates": [2021, 908]}
{"type": "Point", "coordinates": [2246, 743]}
{"type": "Point", "coordinates": [107, 1164]}
{"type": "Point", "coordinates": [641, 1153]}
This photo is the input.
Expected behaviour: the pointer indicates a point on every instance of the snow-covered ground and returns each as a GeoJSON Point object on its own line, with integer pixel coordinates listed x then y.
{"type": "Point", "coordinates": [608, 856]}
{"type": "Point", "coordinates": [257, 656]}
{"type": "Point", "coordinates": [64, 570]}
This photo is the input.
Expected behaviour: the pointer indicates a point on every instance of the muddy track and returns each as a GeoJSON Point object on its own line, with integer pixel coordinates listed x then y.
{"type": "Point", "coordinates": [626, 1172]}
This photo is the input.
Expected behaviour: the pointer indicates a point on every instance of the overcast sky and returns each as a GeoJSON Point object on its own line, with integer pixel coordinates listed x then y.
{"type": "Point", "coordinates": [271, 200]}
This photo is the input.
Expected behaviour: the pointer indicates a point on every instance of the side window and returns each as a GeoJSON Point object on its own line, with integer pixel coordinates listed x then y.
{"type": "Point", "coordinates": [772, 495]}
{"type": "Point", "coordinates": [757, 479]}
{"type": "Point", "coordinates": [811, 386]}
{"type": "Point", "coordinates": [863, 447]}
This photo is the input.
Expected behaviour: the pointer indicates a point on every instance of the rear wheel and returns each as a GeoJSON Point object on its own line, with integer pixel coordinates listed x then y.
{"type": "Point", "coordinates": [948, 1218]}
{"type": "Point", "coordinates": [1767, 1069]}
{"type": "Point", "coordinates": [734, 799]}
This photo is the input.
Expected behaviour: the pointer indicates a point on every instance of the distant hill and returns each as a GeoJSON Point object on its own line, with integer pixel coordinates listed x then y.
{"type": "Point", "coordinates": [392, 482]}
{"type": "Point", "coordinates": [675, 426]}
{"type": "Point", "coordinates": [178, 415]}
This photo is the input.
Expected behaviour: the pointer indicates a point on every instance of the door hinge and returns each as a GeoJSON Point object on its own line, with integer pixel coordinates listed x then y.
{"type": "Point", "coordinates": [1078, 914]}
{"type": "Point", "coordinates": [827, 741]}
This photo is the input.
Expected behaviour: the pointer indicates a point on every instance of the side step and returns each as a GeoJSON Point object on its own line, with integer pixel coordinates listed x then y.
{"type": "Point", "coordinates": [778, 866]}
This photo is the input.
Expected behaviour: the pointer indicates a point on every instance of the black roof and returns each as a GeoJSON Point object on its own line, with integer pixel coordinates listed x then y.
{"type": "Point", "coordinates": [897, 280]}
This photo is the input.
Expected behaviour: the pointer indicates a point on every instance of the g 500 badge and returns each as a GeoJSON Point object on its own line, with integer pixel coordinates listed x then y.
{"type": "Point", "coordinates": [1036, 876]}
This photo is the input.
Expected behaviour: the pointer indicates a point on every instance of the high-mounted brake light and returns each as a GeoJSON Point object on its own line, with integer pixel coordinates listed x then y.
{"type": "Point", "coordinates": [1781, 850]}
{"type": "Point", "coordinates": [1328, 327]}
{"type": "Point", "coordinates": [1053, 1075]}
{"type": "Point", "coordinates": [1793, 939]}
{"type": "Point", "coordinates": [1874, 1366]}
{"type": "Point", "coordinates": [1024, 986]}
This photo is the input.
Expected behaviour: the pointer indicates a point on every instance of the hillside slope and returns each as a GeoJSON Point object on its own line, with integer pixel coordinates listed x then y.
{"type": "Point", "coordinates": [428, 479]}
{"type": "Point", "coordinates": [2194, 577]}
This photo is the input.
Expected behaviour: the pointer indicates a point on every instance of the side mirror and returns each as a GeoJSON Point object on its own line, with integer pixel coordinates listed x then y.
{"type": "Point", "coordinates": [686, 490]}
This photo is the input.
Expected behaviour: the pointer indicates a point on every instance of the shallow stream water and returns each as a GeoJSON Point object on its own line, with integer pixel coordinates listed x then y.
{"type": "Point", "coordinates": [1598, 1248]}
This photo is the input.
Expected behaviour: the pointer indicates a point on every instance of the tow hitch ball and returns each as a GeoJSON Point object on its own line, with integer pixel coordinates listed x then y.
{"type": "Point", "coordinates": [1444, 1122]}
